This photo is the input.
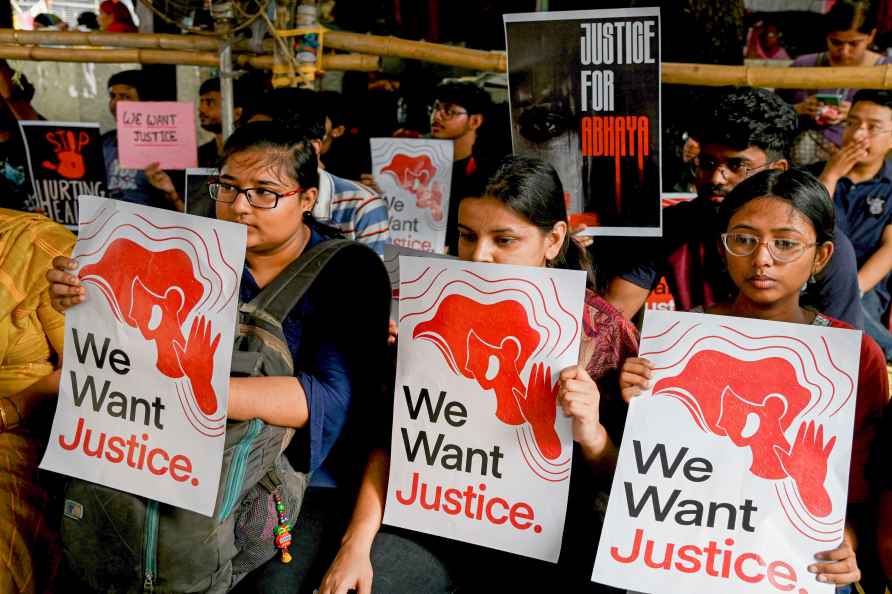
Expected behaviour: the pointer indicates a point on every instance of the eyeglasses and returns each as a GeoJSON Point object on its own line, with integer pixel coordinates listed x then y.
{"type": "Point", "coordinates": [737, 168]}
{"type": "Point", "coordinates": [782, 250]}
{"type": "Point", "coordinates": [257, 197]}
{"type": "Point", "coordinates": [448, 111]}
{"type": "Point", "coordinates": [873, 129]}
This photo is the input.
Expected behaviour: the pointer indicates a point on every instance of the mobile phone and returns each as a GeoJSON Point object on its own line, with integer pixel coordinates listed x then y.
{"type": "Point", "coordinates": [829, 99]}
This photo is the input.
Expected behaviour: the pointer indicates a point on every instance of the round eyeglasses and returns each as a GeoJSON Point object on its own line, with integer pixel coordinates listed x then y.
{"type": "Point", "coordinates": [781, 249]}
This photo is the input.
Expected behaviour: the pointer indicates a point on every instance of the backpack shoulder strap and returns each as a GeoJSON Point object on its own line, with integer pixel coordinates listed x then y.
{"type": "Point", "coordinates": [286, 290]}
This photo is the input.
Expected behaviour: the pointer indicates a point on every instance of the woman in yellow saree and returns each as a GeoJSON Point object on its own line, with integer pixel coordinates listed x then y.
{"type": "Point", "coordinates": [31, 334]}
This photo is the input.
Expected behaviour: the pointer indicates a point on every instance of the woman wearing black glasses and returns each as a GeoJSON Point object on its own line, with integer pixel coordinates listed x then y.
{"type": "Point", "coordinates": [268, 182]}
{"type": "Point", "coordinates": [778, 235]}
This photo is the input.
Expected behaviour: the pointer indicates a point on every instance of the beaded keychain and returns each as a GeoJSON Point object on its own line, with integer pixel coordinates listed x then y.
{"type": "Point", "coordinates": [283, 530]}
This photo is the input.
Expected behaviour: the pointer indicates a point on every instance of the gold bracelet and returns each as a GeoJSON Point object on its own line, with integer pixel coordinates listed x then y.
{"type": "Point", "coordinates": [3, 417]}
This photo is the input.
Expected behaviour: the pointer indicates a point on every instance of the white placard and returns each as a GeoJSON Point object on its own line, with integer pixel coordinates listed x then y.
{"type": "Point", "coordinates": [479, 452]}
{"type": "Point", "coordinates": [145, 379]}
{"type": "Point", "coordinates": [415, 175]}
{"type": "Point", "coordinates": [733, 471]}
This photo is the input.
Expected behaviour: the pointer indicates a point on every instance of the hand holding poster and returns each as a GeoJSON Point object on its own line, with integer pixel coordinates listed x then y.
{"type": "Point", "coordinates": [65, 161]}
{"type": "Point", "coordinates": [160, 132]}
{"type": "Point", "coordinates": [733, 470]}
{"type": "Point", "coordinates": [478, 452]}
{"type": "Point", "coordinates": [584, 90]}
{"type": "Point", "coordinates": [415, 176]}
{"type": "Point", "coordinates": [145, 380]}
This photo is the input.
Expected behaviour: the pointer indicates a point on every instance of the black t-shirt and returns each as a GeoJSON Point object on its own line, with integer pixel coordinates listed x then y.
{"type": "Point", "coordinates": [207, 154]}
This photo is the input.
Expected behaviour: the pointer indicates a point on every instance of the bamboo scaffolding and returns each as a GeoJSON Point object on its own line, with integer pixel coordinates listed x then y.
{"type": "Point", "coordinates": [180, 46]}
{"type": "Point", "coordinates": [351, 42]}
{"type": "Point", "coordinates": [354, 62]}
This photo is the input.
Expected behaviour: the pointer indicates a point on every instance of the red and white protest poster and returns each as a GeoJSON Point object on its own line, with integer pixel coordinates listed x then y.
{"type": "Point", "coordinates": [160, 132]}
{"type": "Point", "coordinates": [479, 452]}
{"type": "Point", "coordinates": [145, 379]}
{"type": "Point", "coordinates": [415, 177]}
{"type": "Point", "coordinates": [733, 471]}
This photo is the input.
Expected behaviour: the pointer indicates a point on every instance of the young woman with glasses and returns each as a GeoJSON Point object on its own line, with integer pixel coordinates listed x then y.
{"type": "Point", "coordinates": [268, 182]}
{"type": "Point", "coordinates": [779, 229]}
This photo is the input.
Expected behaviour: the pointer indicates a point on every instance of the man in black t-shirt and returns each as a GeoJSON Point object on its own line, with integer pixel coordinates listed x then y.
{"type": "Point", "coordinates": [747, 131]}
{"type": "Point", "coordinates": [458, 112]}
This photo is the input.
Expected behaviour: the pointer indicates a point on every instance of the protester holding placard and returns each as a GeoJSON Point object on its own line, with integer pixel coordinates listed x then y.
{"type": "Point", "coordinates": [268, 181]}
{"type": "Point", "coordinates": [779, 232]}
{"type": "Point", "coordinates": [747, 130]}
{"type": "Point", "coordinates": [131, 185]}
{"type": "Point", "coordinates": [30, 346]}
{"type": "Point", "coordinates": [520, 219]}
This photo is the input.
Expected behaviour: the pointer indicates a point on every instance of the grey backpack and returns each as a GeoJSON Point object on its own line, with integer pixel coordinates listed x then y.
{"type": "Point", "coordinates": [118, 542]}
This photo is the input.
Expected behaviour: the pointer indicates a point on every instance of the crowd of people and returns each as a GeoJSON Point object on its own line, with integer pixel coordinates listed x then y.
{"type": "Point", "coordinates": [792, 222]}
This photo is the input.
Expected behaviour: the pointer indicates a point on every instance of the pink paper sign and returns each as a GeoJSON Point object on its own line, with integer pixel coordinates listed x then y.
{"type": "Point", "coordinates": [156, 132]}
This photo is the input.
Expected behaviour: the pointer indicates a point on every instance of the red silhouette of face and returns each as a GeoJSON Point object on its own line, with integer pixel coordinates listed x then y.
{"type": "Point", "coordinates": [411, 173]}
{"type": "Point", "coordinates": [490, 343]}
{"type": "Point", "coordinates": [740, 400]}
{"type": "Point", "coordinates": [154, 291]}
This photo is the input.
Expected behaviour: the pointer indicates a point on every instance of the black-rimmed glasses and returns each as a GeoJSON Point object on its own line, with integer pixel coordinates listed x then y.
{"type": "Point", "coordinates": [257, 197]}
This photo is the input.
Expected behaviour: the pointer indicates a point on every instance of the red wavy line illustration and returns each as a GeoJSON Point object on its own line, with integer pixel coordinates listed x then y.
{"type": "Point", "coordinates": [848, 377]}
{"type": "Point", "coordinates": [234, 272]}
{"type": "Point", "coordinates": [562, 466]}
{"type": "Point", "coordinates": [94, 219]}
{"type": "Point", "coordinates": [200, 415]}
{"type": "Point", "coordinates": [109, 296]}
{"type": "Point", "coordinates": [802, 506]}
{"type": "Point", "coordinates": [417, 279]}
{"type": "Point", "coordinates": [670, 347]}
{"type": "Point", "coordinates": [524, 454]}
{"type": "Point", "coordinates": [572, 317]}
{"type": "Point", "coordinates": [425, 292]}
{"type": "Point", "coordinates": [793, 524]}
{"type": "Point", "coordinates": [101, 227]}
{"type": "Point", "coordinates": [664, 333]}
{"type": "Point", "coordinates": [189, 418]}
{"type": "Point", "coordinates": [793, 506]}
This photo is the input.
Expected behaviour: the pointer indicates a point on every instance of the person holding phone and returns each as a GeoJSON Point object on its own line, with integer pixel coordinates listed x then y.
{"type": "Point", "coordinates": [850, 29]}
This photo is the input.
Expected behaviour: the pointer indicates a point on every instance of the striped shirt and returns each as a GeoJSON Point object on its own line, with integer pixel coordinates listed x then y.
{"type": "Point", "coordinates": [354, 209]}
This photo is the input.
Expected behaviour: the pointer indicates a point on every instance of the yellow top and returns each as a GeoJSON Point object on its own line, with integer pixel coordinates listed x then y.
{"type": "Point", "coordinates": [30, 329]}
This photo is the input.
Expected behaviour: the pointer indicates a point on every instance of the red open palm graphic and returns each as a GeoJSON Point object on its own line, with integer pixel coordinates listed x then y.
{"type": "Point", "coordinates": [69, 152]}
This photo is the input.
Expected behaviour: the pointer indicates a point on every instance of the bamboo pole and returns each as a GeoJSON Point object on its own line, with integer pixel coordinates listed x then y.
{"type": "Point", "coordinates": [418, 50]}
{"type": "Point", "coordinates": [179, 57]}
{"type": "Point", "coordinates": [848, 77]}
{"type": "Point", "coordinates": [166, 41]}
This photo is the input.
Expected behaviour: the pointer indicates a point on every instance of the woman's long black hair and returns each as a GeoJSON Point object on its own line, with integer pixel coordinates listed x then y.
{"type": "Point", "coordinates": [531, 187]}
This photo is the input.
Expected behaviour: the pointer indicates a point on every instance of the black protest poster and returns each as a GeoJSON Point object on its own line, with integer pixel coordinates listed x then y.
{"type": "Point", "coordinates": [64, 161]}
{"type": "Point", "coordinates": [584, 90]}
{"type": "Point", "coordinates": [198, 197]}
